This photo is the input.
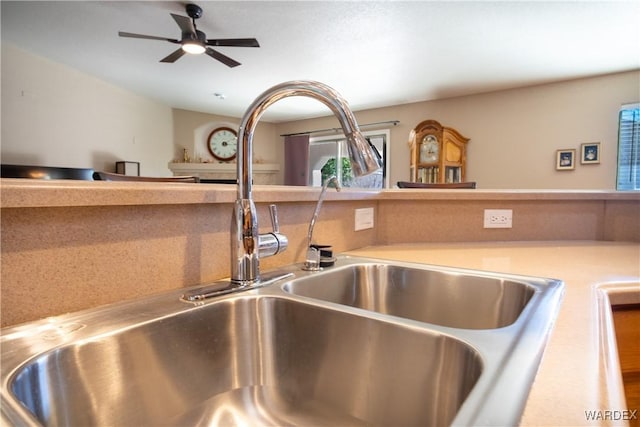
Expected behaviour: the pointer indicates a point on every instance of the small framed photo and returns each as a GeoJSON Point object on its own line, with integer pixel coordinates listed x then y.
{"type": "Point", "coordinates": [128, 168]}
{"type": "Point", "coordinates": [590, 153]}
{"type": "Point", "coordinates": [565, 159]}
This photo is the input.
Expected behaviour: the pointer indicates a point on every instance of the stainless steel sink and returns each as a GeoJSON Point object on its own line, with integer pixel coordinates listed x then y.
{"type": "Point", "coordinates": [262, 360]}
{"type": "Point", "coordinates": [443, 297]}
{"type": "Point", "coordinates": [272, 357]}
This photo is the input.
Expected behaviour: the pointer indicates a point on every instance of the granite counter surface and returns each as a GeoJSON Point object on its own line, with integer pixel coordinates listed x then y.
{"type": "Point", "coordinates": [24, 193]}
{"type": "Point", "coordinates": [577, 373]}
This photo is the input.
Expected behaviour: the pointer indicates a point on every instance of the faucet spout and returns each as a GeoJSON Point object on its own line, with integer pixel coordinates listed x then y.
{"type": "Point", "coordinates": [331, 180]}
{"type": "Point", "coordinates": [245, 241]}
{"type": "Point", "coordinates": [312, 262]}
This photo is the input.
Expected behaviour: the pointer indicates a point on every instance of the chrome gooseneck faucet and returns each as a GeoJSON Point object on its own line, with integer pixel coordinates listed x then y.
{"type": "Point", "coordinates": [246, 244]}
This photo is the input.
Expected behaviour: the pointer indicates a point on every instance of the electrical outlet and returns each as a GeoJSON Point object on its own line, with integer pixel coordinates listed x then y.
{"type": "Point", "coordinates": [364, 219]}
{"type": "Point", "coordinates": [498, 218]}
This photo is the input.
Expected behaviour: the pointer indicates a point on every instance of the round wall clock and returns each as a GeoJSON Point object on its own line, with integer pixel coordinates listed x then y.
{"type": "Point", "coordinates": [223, 143]}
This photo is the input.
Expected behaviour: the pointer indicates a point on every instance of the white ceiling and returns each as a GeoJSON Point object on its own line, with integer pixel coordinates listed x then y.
{"type": "Point", "coordinates": [375, 53]}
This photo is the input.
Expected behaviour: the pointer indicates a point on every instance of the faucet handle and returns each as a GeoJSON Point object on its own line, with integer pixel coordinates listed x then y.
{"type": "Point", "coordinates": [274, 242]}
{"type": "Point", "coordinates": [273, 210]}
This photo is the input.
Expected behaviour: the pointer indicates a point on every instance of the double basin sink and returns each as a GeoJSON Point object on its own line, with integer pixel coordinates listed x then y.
{"type": "Point", "coordinates": [367, 342]}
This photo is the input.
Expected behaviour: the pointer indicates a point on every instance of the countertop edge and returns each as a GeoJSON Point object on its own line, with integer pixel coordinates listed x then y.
{"type": "Point", "coordinates": [609, 295]}
{"type": "Point", "coordinates": [27, 193]}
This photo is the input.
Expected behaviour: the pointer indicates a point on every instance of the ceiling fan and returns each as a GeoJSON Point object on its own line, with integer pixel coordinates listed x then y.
{"type": "Point", "coordinates": [195, 41]}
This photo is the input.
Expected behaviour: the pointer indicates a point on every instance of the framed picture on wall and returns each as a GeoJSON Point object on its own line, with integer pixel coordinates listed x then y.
{"type": "Point", "coordinates": [565, 159]}
{"type": "Point", "coordinates": [590, 153]}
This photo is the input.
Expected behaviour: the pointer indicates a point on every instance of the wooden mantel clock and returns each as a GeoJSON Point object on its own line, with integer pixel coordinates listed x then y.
{"type": "Point", "coordinates": [438, 153]}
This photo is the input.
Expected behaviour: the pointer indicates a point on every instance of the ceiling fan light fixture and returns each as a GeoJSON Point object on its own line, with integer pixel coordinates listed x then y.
{"type": "Point", "coordinates": [194, 48]}
{"type": "Point", "coordinates": [194, 41]}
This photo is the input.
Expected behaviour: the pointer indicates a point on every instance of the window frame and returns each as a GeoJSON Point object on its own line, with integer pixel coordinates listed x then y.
{"type": "Point", "coordinates": [341, 151]}
{"type": "Point", "coordinates": [628, 164]}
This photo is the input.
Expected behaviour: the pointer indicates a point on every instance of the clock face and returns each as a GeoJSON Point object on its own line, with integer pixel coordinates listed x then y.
{"type": "Point", "coordinates": [223, 143]}
{"type": "Point", "coordinates": [429, 149]}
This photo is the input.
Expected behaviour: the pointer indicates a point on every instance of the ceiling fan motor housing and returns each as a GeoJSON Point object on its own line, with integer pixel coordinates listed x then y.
{"type": "Point", "coordinates": [194, 11]}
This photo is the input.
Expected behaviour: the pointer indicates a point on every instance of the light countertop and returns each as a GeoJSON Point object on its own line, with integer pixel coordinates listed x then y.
{"type": "Point", "coordinates": [25, 193]}
{"type": "Point", "coordinates": [578, 372]}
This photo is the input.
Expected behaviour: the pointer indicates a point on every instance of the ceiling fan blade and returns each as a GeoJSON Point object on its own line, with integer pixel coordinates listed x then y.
{"type": "Point", "coordinates": [142, 36]}
{"type": "Point", "coordinates": [222, 58]}
{"type": "Point", "coordinates": [234, 42]}
{"type": "Point", "coordinates": [174, 56]}
{"type": "Point", "coordinates": [185, 24]}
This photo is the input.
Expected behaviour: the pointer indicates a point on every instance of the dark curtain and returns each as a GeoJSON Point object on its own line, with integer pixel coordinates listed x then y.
{"type": "Point", "coordinates": [296, 160]}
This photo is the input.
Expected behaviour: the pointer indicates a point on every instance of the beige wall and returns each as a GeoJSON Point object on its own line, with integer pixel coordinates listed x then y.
{"type": "Point", "coordinates": [191, 130]}
{"type": "Point", "coordinates": [54, 115]}
{"type": "Point", "coordinates": [515, 133]}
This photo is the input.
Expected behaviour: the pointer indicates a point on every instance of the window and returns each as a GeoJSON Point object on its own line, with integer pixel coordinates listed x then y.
{"type": "Point", "coordinates": [324, 153]}
{"type": "Point", "coordinates": [629, 148]}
